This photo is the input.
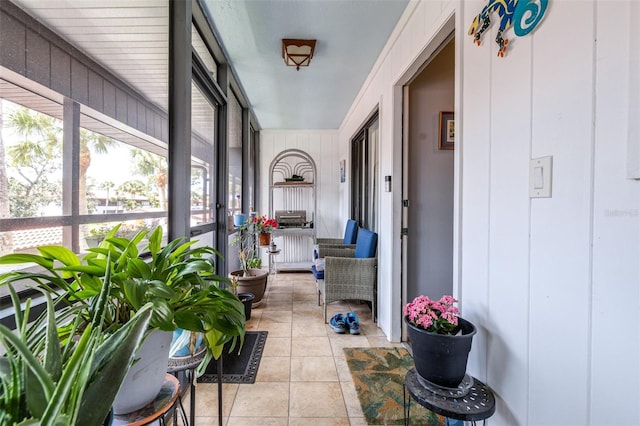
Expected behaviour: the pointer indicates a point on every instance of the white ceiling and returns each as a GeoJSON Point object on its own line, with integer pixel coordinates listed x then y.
{"type": "Point", "coordinates": [130, 38]}
{"type": "Point", "coordinates": [350, 35]}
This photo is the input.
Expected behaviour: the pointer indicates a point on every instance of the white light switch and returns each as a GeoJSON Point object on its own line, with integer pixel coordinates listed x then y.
{"type": "Point", "coordinates": [540, 173]}
{"type": "Point", "coordinates": [537, 178]}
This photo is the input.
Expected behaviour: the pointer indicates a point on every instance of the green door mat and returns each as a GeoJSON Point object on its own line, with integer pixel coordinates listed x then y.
{"type": "Point", "coordinates": [378, 374]}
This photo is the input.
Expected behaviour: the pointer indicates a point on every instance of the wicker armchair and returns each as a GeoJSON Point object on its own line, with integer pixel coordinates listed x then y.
{"type": "Point", "coordinates": [350, 235]}
{"type": "Point", "coordinates": [349, 274]}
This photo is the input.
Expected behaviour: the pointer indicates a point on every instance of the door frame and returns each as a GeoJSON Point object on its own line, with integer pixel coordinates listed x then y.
{"type": "Point", "coordinates": [444, 34]}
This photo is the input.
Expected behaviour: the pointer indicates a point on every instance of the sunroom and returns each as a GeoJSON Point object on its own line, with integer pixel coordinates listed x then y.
{"type": "Point", "coordinates": [526, 209]}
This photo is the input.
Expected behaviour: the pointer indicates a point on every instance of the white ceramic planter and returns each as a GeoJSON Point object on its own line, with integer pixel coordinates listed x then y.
{"type": "Point", "coordinates": [146, 376]}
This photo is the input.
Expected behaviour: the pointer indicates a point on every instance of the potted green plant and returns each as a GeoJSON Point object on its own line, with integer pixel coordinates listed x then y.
{"type": "Point", "coordinates": [47, 380]}
{"type": "Point", "coordinates": [178, 280]}
{"type": "Point", "coordinates": [251, 278]}
{"type": "Point", "coordinates": [440, 339]}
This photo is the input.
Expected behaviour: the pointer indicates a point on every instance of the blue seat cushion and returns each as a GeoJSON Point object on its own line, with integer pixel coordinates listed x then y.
{"type": "Point", "coordinates": [366, 244]}
{"type": "Point", "coordinates": [319, 275]}
{"type": "Point", "coordinates": [350, 232]}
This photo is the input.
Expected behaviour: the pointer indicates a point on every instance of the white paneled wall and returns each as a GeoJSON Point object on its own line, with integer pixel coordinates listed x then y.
{"type": "Point", "coordinates": [322, 146]}
{"type": "Point", "coordinates": [553, 284]}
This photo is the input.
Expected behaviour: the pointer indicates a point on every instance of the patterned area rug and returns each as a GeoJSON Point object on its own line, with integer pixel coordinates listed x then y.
{"type": "Point", "coordinates": [241, 368]}
{"type": "Point", "coordinates": [378, 374]}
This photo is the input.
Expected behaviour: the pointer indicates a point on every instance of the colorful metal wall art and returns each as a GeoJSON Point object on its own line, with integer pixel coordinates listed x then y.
{"type": "Point", "coordinates": [523, 15]}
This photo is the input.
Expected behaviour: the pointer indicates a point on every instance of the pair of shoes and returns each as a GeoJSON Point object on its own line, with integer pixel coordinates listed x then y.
{"type": "Point", "coordinates": [337, 324]}
{"type": "Point", "coordinates": [353, 323]}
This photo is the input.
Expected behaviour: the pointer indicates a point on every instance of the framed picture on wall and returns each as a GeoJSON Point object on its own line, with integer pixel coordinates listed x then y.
{"type": "Point", "coordinates": [343, 176]}
{"type": "Point", "coordinates": [447, 130]}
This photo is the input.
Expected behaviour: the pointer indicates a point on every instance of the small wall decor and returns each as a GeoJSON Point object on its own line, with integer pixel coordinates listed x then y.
{"type": "Point", "coordinates": [447, 130]}
{"type": "Point", "coordinates": [524, 15]}
{"type": "Point", "coordinates": [343, 177]}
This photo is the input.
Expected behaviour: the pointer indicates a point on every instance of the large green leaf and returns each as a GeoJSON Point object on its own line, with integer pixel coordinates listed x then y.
{"type": "Point", "coordinates": [110, 365]}
{"type": "Point", "coordinates": [158, 289]}
{"type": "Point", "coordinates": [29, 360]}
{"type": "Point", "coordinates": [17, 258]}
{"type": "Point", "coordinates": [60, 254]}
{"type": "Point", "coordinates": [91, 284]}
{"type": "Point", "coordinates": [85, 269]}
{"type": "Point", "coordinates": [155, 242]}
{"type": "Point", "coordinates": [134, 292]}
{"type": "Point", "coordinates": [188, 321]}
{"type": "Point", "coordinates": [213, 337]}
{"type": "Point", "coordinates": [101, 302]}
{"type": "Point", "coordinates": [35, 397]}
{"type": "Point", "coordinates": [197, 266]}
{"type": "Point", "coordinates": [71, 377]}
{"type": "Point", "coordinates": [12, 390]}
{"type": "Point", "coordinates": [162, 315]}
{"type": "Point", "coordinates": [52, 353]}
{"type": "Point", "coordinates": [139, 268]}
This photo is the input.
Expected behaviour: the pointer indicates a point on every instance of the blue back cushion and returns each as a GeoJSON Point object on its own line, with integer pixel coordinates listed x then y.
{"type": "Point", "coordinates": [366, 244]}
{"type": "Point", "coordinates": [319, 275]}
{"type": "Point", "coordinates": [350, 232]}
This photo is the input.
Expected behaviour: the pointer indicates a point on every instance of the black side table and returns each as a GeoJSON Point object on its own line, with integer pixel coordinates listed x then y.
{"type": "Point", "coordinates": [472, 401]}
{"type": "Point", "coordinates": [188, 364]}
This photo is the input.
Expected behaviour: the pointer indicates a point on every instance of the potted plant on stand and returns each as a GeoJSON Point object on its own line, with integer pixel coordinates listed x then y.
{"type": "Point", "coordinates": [263, 227]}
{"type": "Point", "coordinates": [178, 280]}
{"type": "Point", "coordinates": [440, 339]}
{"type": "Point", "coordinates": [250, 278]}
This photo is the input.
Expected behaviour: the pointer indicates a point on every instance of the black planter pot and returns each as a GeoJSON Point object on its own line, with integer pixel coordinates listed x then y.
{"type": "Point", "coordinates": [247, 300]}
{"type": "Point", "coordinates": [441, 359]}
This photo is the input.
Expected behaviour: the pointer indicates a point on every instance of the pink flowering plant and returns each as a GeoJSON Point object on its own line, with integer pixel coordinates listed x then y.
{"type": "Point", "coordinates": [439, 317]}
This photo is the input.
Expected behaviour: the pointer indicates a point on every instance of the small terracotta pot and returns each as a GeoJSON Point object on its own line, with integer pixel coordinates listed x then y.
{"type": "Point", "coordinates": [264, 239]}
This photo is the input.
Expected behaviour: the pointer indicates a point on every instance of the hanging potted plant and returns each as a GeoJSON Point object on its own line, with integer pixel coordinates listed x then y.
{"type": "Point", "coordinates": [440, 339]}
{"type": "Point", "coordinates": [178, 279]}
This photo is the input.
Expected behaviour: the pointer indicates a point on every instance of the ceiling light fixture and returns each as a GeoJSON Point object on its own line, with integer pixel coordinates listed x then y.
{"type": "Point", "coordinates": [297, 53]}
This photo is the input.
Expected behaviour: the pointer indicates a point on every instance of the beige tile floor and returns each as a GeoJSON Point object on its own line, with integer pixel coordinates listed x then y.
{"type": "Point", "coordinates": [303, 377]}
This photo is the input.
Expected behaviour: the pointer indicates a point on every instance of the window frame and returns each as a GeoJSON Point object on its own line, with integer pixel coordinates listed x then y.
{"type": "Point", "coordinates": [363, 176]}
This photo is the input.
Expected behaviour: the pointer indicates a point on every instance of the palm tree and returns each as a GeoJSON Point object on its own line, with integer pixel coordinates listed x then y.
{"type": "Point", "coordinates": [89, 141]}
{"type": "Point", "coordinates": [155, 168]}
{"type": "Point", "coordinates": [107, 185]}
{"type": "Point", "coordinates": [133, 188]}
{"type": "Point", "coordinates": [35, 159]}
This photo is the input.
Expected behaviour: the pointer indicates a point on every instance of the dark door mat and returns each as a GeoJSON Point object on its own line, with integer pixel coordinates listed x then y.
{"type": "Point", "coordinates": [238, 368]}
